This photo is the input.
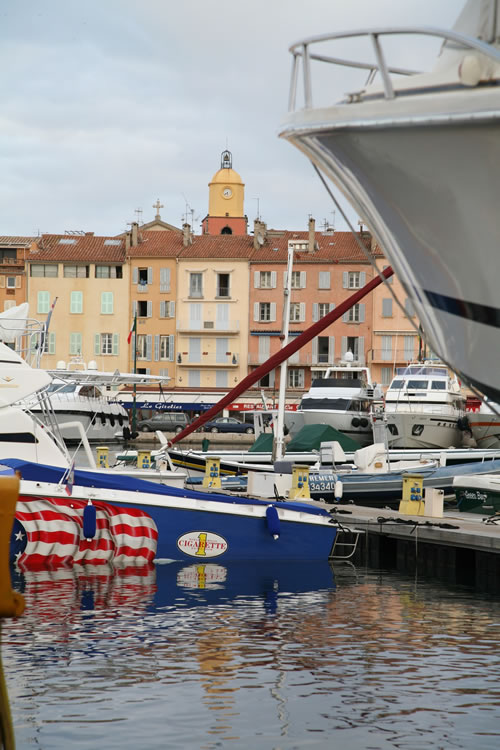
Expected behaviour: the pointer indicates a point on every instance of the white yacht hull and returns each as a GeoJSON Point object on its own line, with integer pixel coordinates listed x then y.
{"type": "Point", "coordinates": [417, 430]}
{"type": "Point", "coordinates": [101, 420]}
{"type": "Point", "coordinates": [415, 168]}
{"type": "Point", "coordinates": [355, 425]}
{"type": "Point", "coordinates": [485, 429]}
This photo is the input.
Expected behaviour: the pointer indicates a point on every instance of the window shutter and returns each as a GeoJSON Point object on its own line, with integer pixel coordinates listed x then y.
{"type": "Point", "coordinates": [150, 309]}
{"type": "Point", "coordinates": [362, 278]}
{"type": "Point", "coordinates": [164, 279]}
{"type": "Point", "coordinates": [149, 346]}
{"type": "Point", "coordinates": [409, 309]}
{"type": "Point", "coordinates": [331, 349]}
{"type": "Point", "coordinates": [256, 311]}
{"type": "Point", "coordinates": [52, 343]}
{"type": "Point", "coordinates": [361, 348]}
{"type": "Point", "coordinates": [18, 282]}
{"type": "Point", "coordinates": [135, 275]}
{"type": "Point", "coordinates": [171, 346]}
{"type": "Point", "coordinates": [172, 309]}
{"type": "Point", "coordinates": [284, 279]}
{"type": "Point", "coordinates": [345, 317]}
{"type": "Point", "coordinates": [116, 344]}
{"type": "Point", "coordinates": [302, 315]}
{"type": "Point", "coordinates": [256, 279]}
{"type": "Point", "coordinates": [332, 306]}
{"type": "Point", "coordinates": [97, 343]}
{"type": "Point", "coordinates": [274, 279]}
{"type": "Point", "coordinates": [2, 281]}
{"type": "Point", "coordinates": [303, 279]}
{"type": "Point", "coordinates": [315, 312]}
{"type": "Point", "coordinates": [134, 308]}
{"type": "Point", "coordinates": [163, 307]}
{"type": "Point", "coordinates": [362, 312]}
{"type": "Point", "coordinates": [343, 346]}
{"type": "Point", "coordinates": [273, 311]}
{"type": "Point", "coordinates": [345, 279]}
{"type": "Point", "coordinates": [387, 307]}
{"type": "Point", "coordinates": [157, 347]}
{"type": "Point", "coordinates": [314, 358]}
{"type": "Point", "coordinates": [150, 275]}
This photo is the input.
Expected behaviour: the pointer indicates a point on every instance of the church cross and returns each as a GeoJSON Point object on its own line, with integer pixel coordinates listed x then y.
{"type": "Point", "coordinates": [158, 205]}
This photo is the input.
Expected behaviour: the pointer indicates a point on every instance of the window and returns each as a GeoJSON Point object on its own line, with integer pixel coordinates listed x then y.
{"type": "Point", "coordinates": [108, 272]}
{"type": "Point", "coordinates": [356, 314]}
{"type": "Point", "coordinates": [43, 302]}
{"type": "Point", "coordinates": [353, 279]}
{"type": "Point", "coordinates": [49, 344]}
{"type": "Point", "coordinates": [194, 378]}
{"type": "Point", "coordinates": [387, 307]}
{"type": "Point", "coordinates": [167, 347]}
{"type": "Point", "coordinates": [438, 385]}
{"type": "Point", "coordinates": [196, 285]}
{"type": "Point", "coordinates": [295, 312]}
{"type": "Point", "coordinates": [164, 279]}
{"type": "Point", "coordinates": [7, 255]}
{"type": "Point", "coordinates": [265, 279]}
{"type": "Point", "coordinates": [409, 309]}
{"type": "Point", "coordinates": [76, 302]}
{"type": "Point", "coordinates": [390, 279]}
{"type": "Point", "coordinates": [106, 303]}
{"type": "Point", "coordinates": [221, 351]}
{"type": "Point", "coordinates": [386, 375]}
{"type": "Point", "coordinates": [221, 379]}
{"type": "Point", "coordinates": [295, 280]}
{"type": "Point", "coordinates": [143, 276]}
{"type": "Point", "coordinates": [295, 378]}
{"type": "Point", "coordinates": [43, 269]}
{"type": "Point", "coordinates": [107, 343]}
{"type": "Point", "coordinates": [142, 308]}
{"type": "Point", "coordinates": [76, 272]}
{"type": "Point", "coordinates": [355, 345]}
{"type": "Point", "coordinates": [264, 311]}
{"type": "Point", "coordinates": [194, 350]}
{"type": "Point", "coordinates": [409, 346]}
{"type": "Point", "coordinates": [223, 285]}
{"type": "Point", "coordinates": [323, 349]}
{"type": "Point", "coordinates": [11, 282]}
{"type": "Point", "coordinates": [167, 309]}
{"type": "Point", "coordinates": [324, 308]}
{"type": "Point", "coordinates": [324, 280]}
{"type": "Point", "coordinates": [387, 347]}
{"type": "Point", "coordinates": [264, 349]}
{"type": "Point", "coordinates": [75, 343]}
{"type": "Point", "coordinates": [142, 346]}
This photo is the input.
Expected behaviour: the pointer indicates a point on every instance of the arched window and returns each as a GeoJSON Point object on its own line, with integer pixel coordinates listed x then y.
{"type": "Point", "coordinates": [226, 230]}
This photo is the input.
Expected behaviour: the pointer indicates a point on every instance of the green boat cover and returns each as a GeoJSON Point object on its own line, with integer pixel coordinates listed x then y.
{"type": "Point", "coordinates": [310, 437]}
{"type": "Point", "coordinates": [263, 444]}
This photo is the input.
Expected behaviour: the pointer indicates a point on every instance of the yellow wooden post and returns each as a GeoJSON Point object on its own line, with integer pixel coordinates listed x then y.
{"type": "Point", "coordinates": [300, 483]}
{"type": "Point", "coordinates": [212, 474]}
{"type": "Point", "coordinates": [102, 457]}
{"type": "Point", "coordinates": [412, 503]}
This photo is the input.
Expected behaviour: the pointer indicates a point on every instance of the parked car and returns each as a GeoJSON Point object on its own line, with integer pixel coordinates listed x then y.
{"type": "Point", "coordinates": [228, 424]}
{"type": "Point", "coordinates": [166, 421]}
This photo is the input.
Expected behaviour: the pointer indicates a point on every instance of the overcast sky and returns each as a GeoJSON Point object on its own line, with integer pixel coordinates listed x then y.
{"type": "Point", "coordinates": [108, 105]}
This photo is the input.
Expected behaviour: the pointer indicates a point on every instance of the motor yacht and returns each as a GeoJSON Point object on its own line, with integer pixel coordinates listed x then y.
{"type": "Point", "coordinates": [423, 406]}
{"type": "Point", "coordinates": [413, 151]}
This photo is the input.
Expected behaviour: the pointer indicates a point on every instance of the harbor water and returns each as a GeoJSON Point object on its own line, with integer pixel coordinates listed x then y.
{"type": "Point", "coordinates": [273, 657]}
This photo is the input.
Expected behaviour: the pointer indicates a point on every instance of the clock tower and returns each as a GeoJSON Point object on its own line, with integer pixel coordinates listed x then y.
{"type": "Point", "coordinates": [226, 194]}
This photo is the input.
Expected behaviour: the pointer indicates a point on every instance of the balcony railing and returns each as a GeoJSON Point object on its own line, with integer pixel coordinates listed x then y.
{"type": "Point", "coordinates": [208, 326]}
{"type": "Point", "coordinates": [208, 360]}
{"type": "Point", "coordinates": [390, 356]}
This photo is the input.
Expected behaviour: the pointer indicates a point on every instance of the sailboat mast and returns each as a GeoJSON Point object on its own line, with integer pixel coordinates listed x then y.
{"type": "Point", "coordinates": [279, 441]}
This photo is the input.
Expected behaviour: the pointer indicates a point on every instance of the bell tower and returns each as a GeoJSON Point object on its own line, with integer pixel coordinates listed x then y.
{"type": "Point", "coordinates": [226, 193]}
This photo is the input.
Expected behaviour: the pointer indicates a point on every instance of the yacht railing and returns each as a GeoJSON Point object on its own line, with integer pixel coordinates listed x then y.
{"type": "Point", "coordinates": [301, 52]}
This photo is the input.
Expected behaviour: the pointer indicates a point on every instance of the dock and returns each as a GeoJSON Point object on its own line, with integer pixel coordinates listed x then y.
{"type": "Point", "coordinates": [459, 548]}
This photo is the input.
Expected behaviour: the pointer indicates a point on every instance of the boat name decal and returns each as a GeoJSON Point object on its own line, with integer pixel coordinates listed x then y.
{"type": "Point", "coordinates": [475, 495]}
{"type": "Point", "coordinates": [202, 544]}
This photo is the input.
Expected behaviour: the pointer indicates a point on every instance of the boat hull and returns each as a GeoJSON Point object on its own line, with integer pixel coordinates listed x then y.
{"type": "Point", "coordinates": [355, 425]}
{"type": "Point", "coordinates": [478, 494]}
{"type": "Point", "coordinates": [418, 430]}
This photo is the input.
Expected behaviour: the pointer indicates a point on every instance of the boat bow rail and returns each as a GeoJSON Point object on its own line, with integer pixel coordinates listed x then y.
{"type": "Point", "coordinates": [302, 55]}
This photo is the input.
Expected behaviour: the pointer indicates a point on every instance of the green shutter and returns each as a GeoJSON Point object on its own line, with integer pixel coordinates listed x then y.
{"type": "Point", "coordinates": [116, 343]}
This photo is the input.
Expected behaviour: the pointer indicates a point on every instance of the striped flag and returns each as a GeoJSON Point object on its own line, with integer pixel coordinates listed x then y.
{"type": "Point", "coordinates": [133, 329]}
{"type": "Point", "coordinates": [48, 533]}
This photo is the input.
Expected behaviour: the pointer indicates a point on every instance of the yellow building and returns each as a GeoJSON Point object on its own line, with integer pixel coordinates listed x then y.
{"type": "Point", "coordinates": [87, 281]}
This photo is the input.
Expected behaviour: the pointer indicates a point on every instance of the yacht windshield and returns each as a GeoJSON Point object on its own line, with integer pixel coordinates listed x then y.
{"type": "Point", "coordinates": [58, 388]}
{"type": "Point", "coordinates": [396, 385]}
{"type": "Point", "coordinates": [421, 385]}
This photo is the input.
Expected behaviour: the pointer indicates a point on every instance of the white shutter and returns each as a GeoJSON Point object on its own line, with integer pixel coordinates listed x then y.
{"type": "Point", "coordinates": [150, 309]}
{"type": "Point", "coordinates": [387, 307]}
{"type": "Point", "coordinates": [343, 349]}
{"type": "Point", "coordinates": [164, 279]}
{"type": "Point", "coordinates": [172, 309]}
{"type": "Point", "coordinates": [150, 275]}
{"type": "Point", "coordinates": [345, 279]}
{"type": "Point", "coordinates": [345, 317]}
{"type": "Point", "coordinates": [332, 306]}
{"type": "Point", "coordinates": [256, 279]}
{"type": "Point", "coordinates": [314, 358]}
{"type": "Point", "coordinates": [303, 279]}
{"type": "Point", "coordinates": [163, 309]}
{"type": "Point", "coordinates": [315, 312]}
{"type": "Point", "coordinates": [18, 282]}
{"type": "Point", "coordinates": [256, 311]}
{"type": "Point", "coordinates": [135, 275]}
{"type": "Point", "coordinates": [264, 348]}
{"type": "Point", "coordinates": [331, 349]}
{"type": "Point", "coordinates": [157, 347]}
{"type": "Point", "coordinates": [362, 278]}
{"type": "Point", "coordinates": [285, 279]}
{"type": "Point", "coordinates": [171, 347]}
{"type": "Point", "coordinates": [361, 348]}
{"type": "Point", "coordinates": [149, 346]}
{"type": "Point", "coordinates": [274, 279]}
{"type": "Point", "coordinates": [273, 311]}
{"type": "Point", "coordinates": [2, 281]}
{"type": "Point", "coordinates": [134, 309]}
{"type": "Point", "coordinates": [362, 312]}
{"type": "Point", "coordinates": [302, 315]}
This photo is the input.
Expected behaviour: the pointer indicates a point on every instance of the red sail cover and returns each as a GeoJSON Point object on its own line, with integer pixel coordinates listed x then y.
{"type": "Point", "coordinates": [48, 533]}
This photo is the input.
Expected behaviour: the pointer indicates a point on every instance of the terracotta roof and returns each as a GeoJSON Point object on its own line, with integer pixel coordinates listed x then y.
{"type": "Point", "coordinates": [219, 246]}
{"type": "Point", "coordinates": [16, 241]}
{"type": "Point", "coordinates": [78, 247]}
{"type": "Point", "coordinates": [157, 244]}
{"type": "Point", "coordinates": [337, 247]}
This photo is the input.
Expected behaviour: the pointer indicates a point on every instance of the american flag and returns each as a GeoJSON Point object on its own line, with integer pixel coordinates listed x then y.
{"type": "Point", "coordinates": [48, 533]}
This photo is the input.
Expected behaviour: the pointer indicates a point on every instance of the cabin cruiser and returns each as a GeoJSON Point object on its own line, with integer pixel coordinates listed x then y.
{"type": "Point", "coordinates": [342, 399]}
{"type": "Point", "coordinates": [410, 150]}
{"type": "Point", "coordinates": [423, 407]}
{"type": "Point", "coordinates": [483, 425]}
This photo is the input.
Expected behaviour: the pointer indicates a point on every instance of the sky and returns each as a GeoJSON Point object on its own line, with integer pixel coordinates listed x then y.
{"type": "Point", "coordinates": [109, 105]}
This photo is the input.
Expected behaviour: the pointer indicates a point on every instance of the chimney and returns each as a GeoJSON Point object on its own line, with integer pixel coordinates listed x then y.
{"type": "Point", "coordinates": [135, 238]}
{"type": "Point", "coordinates": [187, 237]}
{"type": "Point", "coordinates": [312, 235]}
{"type": "Point", "coordinates": [259, 233]}
{"type": "Point", "coordinates": [127, 241]}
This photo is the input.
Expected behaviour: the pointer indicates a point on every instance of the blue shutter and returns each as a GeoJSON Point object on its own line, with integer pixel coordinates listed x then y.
{"type": "Point", "coordinates": [149, 346]}
{"type": "Point", "coordinates": [163, 307]}
{"type": "Point", "coordinates": [362, 312]}
{"type": "Point", "coordinates": [172, 309]}
{"type": "Point", "coordinates": [362, 278]}
{"type": "Point", "coordinates": [157, 348]}
{"type": "Point", "coordinates": [171, 348]}
{"type": "Point", "coordinates": [135, 275]}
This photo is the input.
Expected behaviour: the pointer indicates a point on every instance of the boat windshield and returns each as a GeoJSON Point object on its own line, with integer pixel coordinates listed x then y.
{"type": "Point", "coordinates": [420, 385]}
{"type": "Point", "coordinates": [421, 370]}
{"type": "Point", "coordinates": [438, 385]}
{"type": "Point", "coordinates": [58, 388]}
{"type": "Point", "coordinates": [396, 385]}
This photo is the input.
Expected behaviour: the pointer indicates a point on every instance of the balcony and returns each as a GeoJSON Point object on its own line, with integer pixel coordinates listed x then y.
{"type": "Point", "coordinates": [295, 360]}
{"type": "Point", "coordinates": [208, 326]}
{"type": "Point", "coordinates": [208, 360]}
{"type": "Point", "coordinates": [388, 357]}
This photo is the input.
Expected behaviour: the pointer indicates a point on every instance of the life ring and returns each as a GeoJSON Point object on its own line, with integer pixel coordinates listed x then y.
{"type": "Point", "coordinates": [363, 422]}
{"type": "Point", "coordinates": [355, 422]}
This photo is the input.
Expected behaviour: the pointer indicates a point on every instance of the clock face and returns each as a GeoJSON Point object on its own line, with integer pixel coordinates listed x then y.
{"type": "Point", "coordinates": [227, 192]}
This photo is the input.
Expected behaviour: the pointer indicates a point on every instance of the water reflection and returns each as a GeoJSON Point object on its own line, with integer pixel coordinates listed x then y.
{"type": "Point", "coordinates": [261, 656]}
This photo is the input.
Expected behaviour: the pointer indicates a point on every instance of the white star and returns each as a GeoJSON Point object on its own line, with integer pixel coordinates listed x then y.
{"type": "Point", "coordinates": [19, 536]}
